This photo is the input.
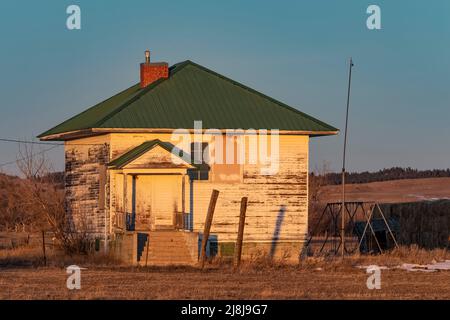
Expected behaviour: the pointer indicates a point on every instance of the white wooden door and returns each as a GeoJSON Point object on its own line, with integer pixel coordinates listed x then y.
{"type": "Point", "coordinates": [166, 199]}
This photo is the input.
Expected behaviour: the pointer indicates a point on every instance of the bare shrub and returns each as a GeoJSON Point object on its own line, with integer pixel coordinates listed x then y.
{"type": "Point", "coordinates": [318, 179]}
{"type": "Point", "coordinates": [17, 213]}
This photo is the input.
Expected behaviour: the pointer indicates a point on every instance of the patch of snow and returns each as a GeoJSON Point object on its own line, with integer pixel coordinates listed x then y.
{"type": "Point", "coordinates": [424, 198]}
{"type": "Point", "coordinates": [415, 267]}
{"type": "Point", "coordinates": [365, 267]}
{"type": "Point", "coordinates": [440, 265]}
{"type": "Point", "coordinates": [318, 269]}
{"type": "Point", "coordinates": [432, 267]}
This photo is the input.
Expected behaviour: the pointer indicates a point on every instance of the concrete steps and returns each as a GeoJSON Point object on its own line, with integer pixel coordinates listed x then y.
{"type": "Point", "coordinates": [168, 248]}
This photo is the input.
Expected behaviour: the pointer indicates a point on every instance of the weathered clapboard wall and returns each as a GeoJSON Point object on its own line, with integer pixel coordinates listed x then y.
{"type": "Point", "coordinates": [277, 204]}
{"type": "Point", "coordinates": [277, 208]}
{"type": "Point", "coordinates": [86, 183]}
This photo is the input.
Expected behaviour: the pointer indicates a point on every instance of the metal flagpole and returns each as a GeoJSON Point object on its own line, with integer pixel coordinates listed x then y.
{"type": "Point", "coordinates": [343, 163]}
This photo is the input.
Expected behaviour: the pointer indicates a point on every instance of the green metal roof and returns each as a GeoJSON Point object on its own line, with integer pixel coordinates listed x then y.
{"type": "Point", "coordinates": [192, 92]}
{"type": "Point", "coordinates": [141, 149]}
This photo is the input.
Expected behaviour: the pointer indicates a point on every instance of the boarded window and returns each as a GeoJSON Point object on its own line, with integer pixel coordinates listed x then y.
{"type": "Point", "coordinates": [229, 170]}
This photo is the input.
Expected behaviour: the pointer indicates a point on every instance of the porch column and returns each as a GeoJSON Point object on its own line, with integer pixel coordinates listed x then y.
{"type": "Point", "coordinates": [191, 205]}
{"type": "Point", "coordinates": [133, 195]}
{"type": "Point", "coordinates": [132, 216]}
{"type": "Point", "coordinates": [183, 194]}
{"type": "Point", "coordinates": [125, 196]}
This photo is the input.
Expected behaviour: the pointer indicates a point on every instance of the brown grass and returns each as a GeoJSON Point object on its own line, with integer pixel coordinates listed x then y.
{"type": "Point", "coordinates": [32, 256]}
{"type": "Point", "coordinates": [314, 278]}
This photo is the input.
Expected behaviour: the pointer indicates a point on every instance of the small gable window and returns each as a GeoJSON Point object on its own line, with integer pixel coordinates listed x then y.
{"type": "Point", "coordinates": [197, 159]}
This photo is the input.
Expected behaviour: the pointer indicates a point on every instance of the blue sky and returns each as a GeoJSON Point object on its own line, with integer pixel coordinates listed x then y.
{"type": "Point", "coordinates": [296, 52]}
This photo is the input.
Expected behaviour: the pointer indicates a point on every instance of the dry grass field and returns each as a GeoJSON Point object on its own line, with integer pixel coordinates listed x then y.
{"type": "Point", "coordinates": [22, 276]}
{"type": "Point", "coordinates": [181, 283]}
{"type": "Point", "coordinates": [407, 190]}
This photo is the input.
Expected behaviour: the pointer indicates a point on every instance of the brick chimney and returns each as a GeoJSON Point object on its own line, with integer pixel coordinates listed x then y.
{"type": "Point", "coordinates": [152, 71]}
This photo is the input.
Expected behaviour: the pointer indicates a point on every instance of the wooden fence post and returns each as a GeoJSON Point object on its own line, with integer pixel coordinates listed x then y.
{"type": "Point", "coordinates": [240, 237]}
{"type": "Point", "coordinates": [208, 222]}
{"type": "Point", "coordinates": [43, 248]}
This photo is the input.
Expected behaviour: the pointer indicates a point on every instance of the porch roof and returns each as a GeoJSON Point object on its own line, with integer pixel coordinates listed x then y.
{"type": "Point", "coordinates": [138, 151]}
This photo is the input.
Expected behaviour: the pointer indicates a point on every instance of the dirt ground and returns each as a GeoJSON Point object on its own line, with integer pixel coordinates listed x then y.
{"type": "Point", "coordinates": [408, 190]}
{"type": "Point", "coordinates": [24, 276]}
{"type": "Point", "coordinates": [330, 281]}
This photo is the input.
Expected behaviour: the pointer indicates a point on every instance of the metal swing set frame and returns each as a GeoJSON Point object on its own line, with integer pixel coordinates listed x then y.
{"type": "Point", "coordinates": [353, 210]}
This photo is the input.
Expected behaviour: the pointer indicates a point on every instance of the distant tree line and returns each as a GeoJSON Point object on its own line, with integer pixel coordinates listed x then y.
{"type": "Point", "coordinates": [53, 177]}
{"type": "Point", "coordinates": [395, 173]}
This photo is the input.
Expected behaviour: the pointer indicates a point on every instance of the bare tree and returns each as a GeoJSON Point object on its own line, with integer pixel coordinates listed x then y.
{"type": "Point", "coordinates": [317, 196]}
{"type": "Point", "coordinates": [32, 164]}
{"type": "Point", "coordinates": [17, 212]}
{"type": "Point", "coordinates": [47, 198]}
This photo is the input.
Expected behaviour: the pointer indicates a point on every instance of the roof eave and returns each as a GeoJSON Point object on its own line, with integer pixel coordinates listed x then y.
{"type": "Point", "coordinates": [69, 135]}
{"type": "Point", "coordinates": [324, 133]}
{"type": "Point", "coordinates": [77, 134]}
{"type": "Point", "coordinates": [190, 130]}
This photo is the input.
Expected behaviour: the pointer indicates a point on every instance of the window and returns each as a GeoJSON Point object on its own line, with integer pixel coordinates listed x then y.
{"type": "Point", "coordinates": [197, 152]}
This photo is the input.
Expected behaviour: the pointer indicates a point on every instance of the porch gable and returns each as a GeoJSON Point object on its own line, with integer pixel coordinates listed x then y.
{"type": "Point", "coordinates": [151, 154]}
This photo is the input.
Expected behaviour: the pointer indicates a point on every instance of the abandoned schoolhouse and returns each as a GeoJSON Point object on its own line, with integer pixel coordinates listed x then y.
{"type": "Point", "coordinates": [139, 167]}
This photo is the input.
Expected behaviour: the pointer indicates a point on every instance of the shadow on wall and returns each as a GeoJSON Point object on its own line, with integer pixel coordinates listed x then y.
{"type": "Point", "coordinates": [276, 232]}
